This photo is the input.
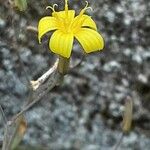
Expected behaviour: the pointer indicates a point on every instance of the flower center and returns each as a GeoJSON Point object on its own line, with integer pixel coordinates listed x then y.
{"type": "Point", "coordinates": [66, 22]}
{"type": "Point", "coordinates": [79, 20]}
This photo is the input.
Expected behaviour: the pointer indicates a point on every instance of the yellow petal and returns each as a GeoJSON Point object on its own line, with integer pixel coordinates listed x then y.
{"type": "Point", "coordinates": [63, 15]}
{"type": "Point", "coordinates": [83, 21]}
{"type": "Point", "coordinates": [61, 43]}
{"type": "Point", "coordinates": [88, 22]}
{"type": "Point", "coordinates": [90, 40]}
{"type": "Point", "coordinates": [45, 25]}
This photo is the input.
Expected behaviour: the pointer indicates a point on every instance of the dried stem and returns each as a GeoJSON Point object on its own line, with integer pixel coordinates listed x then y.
{"type": "Point", "coordinates": [3, 115]}
{"type": "Point", "coordinates": [47, 82]}
{"type": "Point", "coordinates": [127, 120]}
{"type": "Point", "coordinates": [119, 142]}
{"type": "Point", "coordinates": [43, 89]}
{"type": "Point", "coordinates": [32, 29]}
{"type": "Point", "coordinates": [128, 113]}
{"type": "Point", "coordinates": [44, 77]}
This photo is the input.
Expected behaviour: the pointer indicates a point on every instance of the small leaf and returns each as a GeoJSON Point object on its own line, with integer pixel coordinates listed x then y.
{"type": "Point", "coordinates": [127, 118]}
{"type": "Point", "coordinates": [21, 127]}
{"type": "Point", "coordinates": [21, 4]}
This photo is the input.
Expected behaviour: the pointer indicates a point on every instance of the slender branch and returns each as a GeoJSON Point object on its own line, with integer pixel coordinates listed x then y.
{"type": "Point", "coordinates": [32, 29]}
{"type": "Point", "coordinates": [3, 115]}
{"type": "Point", "coordinates": [44, 77]}
{"type": "Point", "coordinates": [10, 129]}
{"type": "Point", "coordinates": [11, 133]}
{"type": "Point", "coordinates": [42, 86]}
{"type": "Point", "coordinates": [40, 92]}
{"type": "Point", "coordinates": [119, 142]}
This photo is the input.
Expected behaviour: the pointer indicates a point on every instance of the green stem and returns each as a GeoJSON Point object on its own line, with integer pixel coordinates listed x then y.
{"type": "Point", "coordinates": [63, 65]}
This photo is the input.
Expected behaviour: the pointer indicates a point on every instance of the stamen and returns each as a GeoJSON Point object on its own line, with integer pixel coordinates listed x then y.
{"type": "Point", "coordinates": [86, 4]}
{"type": "Point", "coordinates": [66, 5]}
{"type": "Point", "coordinates": [85, 8]}
{"type": "Point", "coordinates": [52, 8]}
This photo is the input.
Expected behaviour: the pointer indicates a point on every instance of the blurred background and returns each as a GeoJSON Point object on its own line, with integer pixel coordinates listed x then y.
{"type": "Point", "coordinates": [85, 112]}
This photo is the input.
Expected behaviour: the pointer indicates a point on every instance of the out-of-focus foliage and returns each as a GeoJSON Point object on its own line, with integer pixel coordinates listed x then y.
{"type": "Point", "coordinates": [21, 4]}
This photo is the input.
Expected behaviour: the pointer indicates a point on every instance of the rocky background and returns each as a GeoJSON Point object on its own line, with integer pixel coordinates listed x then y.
{"type": "Point", "coordinates": [85, 112]}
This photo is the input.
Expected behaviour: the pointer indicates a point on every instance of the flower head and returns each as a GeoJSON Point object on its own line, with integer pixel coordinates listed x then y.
{"type": "Point", "coordinates": [66, 27]}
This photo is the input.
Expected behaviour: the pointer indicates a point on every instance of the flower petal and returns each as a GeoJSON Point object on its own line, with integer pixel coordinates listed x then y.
{"type": "Point", "coordinates": [61, 43]}
{"type": "Point", "coordinates": [46, 24]}
{"type": "Point", "coordinates": [90, 40]}
{"type": "Point", "coordinates": [62, 15]}
{"type": "Point", "coordinates": [88, 22]}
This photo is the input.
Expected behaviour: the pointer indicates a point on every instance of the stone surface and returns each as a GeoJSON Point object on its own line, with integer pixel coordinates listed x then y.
{"type": "Point", "coordinates": [85, 112]}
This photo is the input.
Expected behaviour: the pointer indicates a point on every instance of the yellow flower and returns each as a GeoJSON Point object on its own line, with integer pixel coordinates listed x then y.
{"type": "Point", "coordinates": [67, 27]}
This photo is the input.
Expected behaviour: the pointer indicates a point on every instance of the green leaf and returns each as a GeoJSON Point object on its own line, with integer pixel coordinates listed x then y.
{"type": "Point", "coordinates": [21, 4]}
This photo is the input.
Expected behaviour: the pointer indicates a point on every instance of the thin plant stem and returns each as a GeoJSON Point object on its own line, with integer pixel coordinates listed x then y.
{"type": "Point", "coordinates": [3, 115]}
{"type": "Point", "coordinates": [119, 142]}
